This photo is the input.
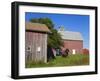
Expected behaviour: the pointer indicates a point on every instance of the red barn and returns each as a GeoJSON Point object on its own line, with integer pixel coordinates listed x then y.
{"type": "Point", "coordinates": [72, 41]}
{"type": "Point", "coordinates": [36, 42]}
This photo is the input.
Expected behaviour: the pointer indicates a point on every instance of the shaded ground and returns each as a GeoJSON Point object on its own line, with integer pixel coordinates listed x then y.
{"type": "Point", "coordinates": [71, 60]}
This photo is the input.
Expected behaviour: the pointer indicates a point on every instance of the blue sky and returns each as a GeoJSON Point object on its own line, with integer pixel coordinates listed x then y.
{"type": "Point", "coordinates": [71, 22]}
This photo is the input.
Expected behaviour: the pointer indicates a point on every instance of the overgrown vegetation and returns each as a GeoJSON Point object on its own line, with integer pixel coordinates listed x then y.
{"type": "Point", "coordinates": [71, 60]}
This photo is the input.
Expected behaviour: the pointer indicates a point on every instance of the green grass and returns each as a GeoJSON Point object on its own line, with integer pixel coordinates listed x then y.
{"type": "Point", "coordinates": [71, 60]}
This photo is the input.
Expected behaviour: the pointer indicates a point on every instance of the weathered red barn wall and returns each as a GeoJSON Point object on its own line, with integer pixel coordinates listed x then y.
{"type": "Point", "coordinates": [85, 51]}
{"type": "Point", "coordinates": [35, 40]}
{"type": "Point", "coordinates": [74, 44]}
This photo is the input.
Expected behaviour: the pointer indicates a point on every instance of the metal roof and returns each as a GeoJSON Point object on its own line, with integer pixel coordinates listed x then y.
{"type": "Point", "coordinates": [36, 27]}
{"type": "Point", "coordinates": [69, 35]}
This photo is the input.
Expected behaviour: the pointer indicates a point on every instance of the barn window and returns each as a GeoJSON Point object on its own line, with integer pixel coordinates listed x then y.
{"type": "Point", "coordinates": [28, 48]}
{"type": "Point", "coordinates": [74, 51]}
{"type": "Point", "coordinates": [38, 49]}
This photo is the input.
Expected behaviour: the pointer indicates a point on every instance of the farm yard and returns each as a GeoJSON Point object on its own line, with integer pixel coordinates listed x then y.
{"type": "Point", "coordinates": [71, 60]}
{"type": "Point", "coordinates": [49, 46]}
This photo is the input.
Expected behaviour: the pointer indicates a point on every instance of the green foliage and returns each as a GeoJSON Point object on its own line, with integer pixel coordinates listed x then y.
{"type": "Point", "coordinates": [62, 28]}
{"type": "Point", "coordinates": [54, 39]}
{"type": "Point", "coordinates": [45, 21]}
{"type": "Point", "coordinates": [71, 60]}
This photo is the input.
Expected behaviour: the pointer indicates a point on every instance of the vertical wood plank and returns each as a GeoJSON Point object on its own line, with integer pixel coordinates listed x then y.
{"type": "Point", "coordinates": [36, 40]}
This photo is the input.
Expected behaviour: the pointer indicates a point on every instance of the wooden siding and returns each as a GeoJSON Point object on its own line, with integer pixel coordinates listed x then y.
{"type": "Point", "coordinates": [73, 44]}
{"type": "Point", "coordinates": [38, 46]}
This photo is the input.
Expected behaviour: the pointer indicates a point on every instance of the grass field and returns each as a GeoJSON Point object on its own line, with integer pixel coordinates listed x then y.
{"type": "Point", "coordinates": [71, 60]}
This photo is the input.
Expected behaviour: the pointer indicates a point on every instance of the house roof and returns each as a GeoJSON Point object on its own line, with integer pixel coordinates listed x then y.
{"type": "Point", "coordinates": [37, 27]}
{"type": "Point", "coordinates": [69, 35]}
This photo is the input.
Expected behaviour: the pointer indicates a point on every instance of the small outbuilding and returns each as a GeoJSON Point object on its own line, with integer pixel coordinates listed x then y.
{"type": "Point", "coordinates": [36, 42]}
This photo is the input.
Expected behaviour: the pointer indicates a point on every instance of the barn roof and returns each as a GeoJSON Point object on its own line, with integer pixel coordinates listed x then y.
{"type": "Point", "coordinates": [37, 27]}
{"type": "Point", "coordinates": [69, 35]}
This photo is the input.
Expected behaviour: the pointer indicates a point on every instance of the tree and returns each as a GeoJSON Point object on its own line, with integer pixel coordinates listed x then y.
{"type": "Point", "coordinates": [54, 39]}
